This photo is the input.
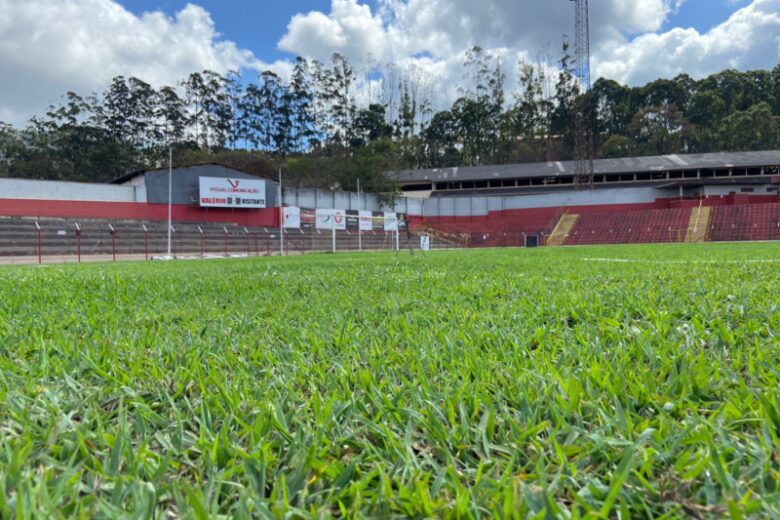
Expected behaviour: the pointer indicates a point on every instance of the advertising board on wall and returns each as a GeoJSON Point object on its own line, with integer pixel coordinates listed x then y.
{"type": "Point", "coordinates": [308, 218]}
{"type": "Point", "coordinates": [366, 221]}
{"type": "Point", "coordinates": [391, 221]}
{"type": "Point", "coordinates": [292, 217]}
{"type": "Point", "coordinates": [231, 193]}
{"type": "Point", "coordinates": [332, 219]}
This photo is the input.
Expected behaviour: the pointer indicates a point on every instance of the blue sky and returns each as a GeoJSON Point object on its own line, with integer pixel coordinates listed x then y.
{"type": "Point", "coordinates": [703, 15]}
{"type": "Point", "coordinates": [49, 47]}
{"type": "Point", "coordinates": [257, 25]}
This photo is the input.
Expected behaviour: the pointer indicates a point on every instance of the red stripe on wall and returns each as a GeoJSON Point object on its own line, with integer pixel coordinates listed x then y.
{"type": "Point", "coordinates": [136, 211]}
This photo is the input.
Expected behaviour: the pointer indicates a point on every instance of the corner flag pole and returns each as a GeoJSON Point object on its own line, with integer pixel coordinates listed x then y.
{"type": "Point", "coordinates": [170, 195]}
{"type": "Point", "coordinates": [281, 216]}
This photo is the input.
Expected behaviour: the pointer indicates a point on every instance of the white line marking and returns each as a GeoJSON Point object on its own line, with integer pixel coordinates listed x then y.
{"type": "Point", "coordinates": [680, 262]}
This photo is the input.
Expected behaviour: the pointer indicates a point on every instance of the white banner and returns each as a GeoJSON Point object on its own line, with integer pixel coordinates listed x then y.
{"type": "Point", "coordinates": [331, 219]}
{"type": "Point", "coordinates": [292, 217]}
{"type": "Point", "coordinates": [425, 243]}
{"type": "Point", "coordinates": [232, 193]}
{"type": "Point", "coordinates": [391, 221]}
{"type": "Point", "coordinates": [366, 221]}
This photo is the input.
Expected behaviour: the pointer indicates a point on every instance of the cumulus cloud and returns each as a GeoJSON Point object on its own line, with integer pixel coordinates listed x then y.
{"type": "Point", "coordinates": [48, 47]}
{"type": "Point", "coordinates": [747, 40]}
{"type": "Point", "coordinates": [627, 38]}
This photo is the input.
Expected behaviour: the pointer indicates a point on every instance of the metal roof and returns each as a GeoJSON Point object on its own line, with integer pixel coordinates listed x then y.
{"type": "Point", "coordinates": [132, 175]}
{"type": "Point", "coordinates": [659, 163]}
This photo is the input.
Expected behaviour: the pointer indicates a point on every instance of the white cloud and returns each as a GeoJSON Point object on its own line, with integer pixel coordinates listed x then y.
{"type": "Point", "coordinates": [627, 39]}
{"type": "Point", "coordinates": [48, 47]}
{"type": "Point", "coordinates": [747, 40]}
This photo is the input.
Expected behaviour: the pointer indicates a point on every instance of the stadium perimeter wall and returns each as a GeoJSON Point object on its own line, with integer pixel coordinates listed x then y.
{"type": "Point", "coordinates": [135, 211]}
{"type": "Point", "coordinates": [59, 191]}
{"type": "Point", "coordinates": [32, 198]}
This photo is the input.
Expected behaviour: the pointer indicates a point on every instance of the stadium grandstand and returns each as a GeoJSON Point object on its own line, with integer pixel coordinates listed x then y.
{"type": "Point", "coordinates": [219, 210]}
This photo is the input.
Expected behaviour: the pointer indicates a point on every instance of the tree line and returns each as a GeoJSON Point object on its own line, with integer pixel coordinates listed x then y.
{"type": "Point", "coordinates": [329, 124]}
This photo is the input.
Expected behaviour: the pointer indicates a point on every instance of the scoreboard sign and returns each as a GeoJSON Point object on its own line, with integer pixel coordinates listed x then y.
{"type": "Point", "coordinates": [231, 193]}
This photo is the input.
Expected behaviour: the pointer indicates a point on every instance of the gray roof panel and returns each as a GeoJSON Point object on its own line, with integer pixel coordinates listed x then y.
{"type": "Point", "coordinates": [600, 166]}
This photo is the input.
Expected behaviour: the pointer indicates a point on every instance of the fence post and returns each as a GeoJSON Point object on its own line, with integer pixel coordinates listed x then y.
{"type": "Point", "coordinates": [146, 241]}
{"type": "Point", "coordinates": [113, 242]}
{"type": "Point", "coordinates": [40, 243]}
{"type": "Point", "coordinates": [226, 240]}
{"type": "Point", "coordinates": [173, 241]}
{"type": "Point", "coordinates": [248, 244]}
{"type": "Point", "coordinates": [202, 249]}
{"type": "Point", "coordinates": [78, 242]}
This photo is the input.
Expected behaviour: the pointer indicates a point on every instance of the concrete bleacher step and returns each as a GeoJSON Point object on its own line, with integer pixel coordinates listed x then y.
{"type": "Point", "coordinates": [698, 224]}
{"type": "Point", "coordinates": [19, 237]}
{"type": "Point", "coordinates": [562, 229]}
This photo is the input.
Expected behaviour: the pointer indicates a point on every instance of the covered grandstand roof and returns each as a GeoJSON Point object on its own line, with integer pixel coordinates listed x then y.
{"type": "Point", "coordinates": [602, 166]}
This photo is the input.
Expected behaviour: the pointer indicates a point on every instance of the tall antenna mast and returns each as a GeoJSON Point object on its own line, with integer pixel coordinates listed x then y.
{"type": "Point", "coordinates": [583, 137]}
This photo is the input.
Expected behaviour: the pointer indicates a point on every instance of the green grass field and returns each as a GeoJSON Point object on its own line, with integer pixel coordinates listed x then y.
{"type": "Point", "coordinates": [636, 381]}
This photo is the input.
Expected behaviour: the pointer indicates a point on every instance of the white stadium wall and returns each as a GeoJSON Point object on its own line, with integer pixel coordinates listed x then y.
{"type": "Point", "coordinates": [480, 206]}
{"type": "Point", "coordinates": [70, 191]}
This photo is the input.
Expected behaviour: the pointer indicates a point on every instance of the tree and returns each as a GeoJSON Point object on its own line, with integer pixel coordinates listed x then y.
{"type": "Point", "coordinates": [10, 148]}
{"type": "Point", "coordinates": [210, 113]}
{"type": "Point", "coordinates": [756, 128]}
{"type": "Point", "coordinates": [440, 138]}
{"type": "Point", "coordinates": [170, 115]}
{"type": "Point", "coordinates": [371, 125]}
{"type": "Point", "coordinates": [478, 111]}
{"type": "Point", "coordinates": [302, 93]}
{"type": "Point", "coordinates": [705, 111]}
{"type": "Point", "coordinates": [612, 103]}
{"type": "Point", "coordinates": [659, 130]}
{"type": "Point", "coordinates": [566, 91]}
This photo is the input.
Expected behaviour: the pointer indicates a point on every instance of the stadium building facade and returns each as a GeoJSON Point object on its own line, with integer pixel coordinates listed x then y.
{"type": "Point", "coordinates": [649, 199]}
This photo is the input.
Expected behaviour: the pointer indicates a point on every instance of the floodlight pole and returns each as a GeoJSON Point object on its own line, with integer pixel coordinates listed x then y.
{"type": "Point", "coordinates": [281, 216]}
{"type": "Point", "coordinates": [170, 196]}
{"type": "Point", "coordinates": [360, 230]}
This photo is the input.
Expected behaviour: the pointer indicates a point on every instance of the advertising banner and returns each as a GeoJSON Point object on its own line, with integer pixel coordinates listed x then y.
{"type": "Point", "coordinates": [366, 221]}
{"type": "Point", "coordinates": [292, 217]}
{"type": "Point", "coordinates": [308, 218]}
{"type": "Point", "coordinates": [331, 219]}
{"type": "Point", "coordinates": [231, 193]}
{"type": "Point", "coordinates": [353, 220]}
{"type": "Point", "coordinates": [391, 221]}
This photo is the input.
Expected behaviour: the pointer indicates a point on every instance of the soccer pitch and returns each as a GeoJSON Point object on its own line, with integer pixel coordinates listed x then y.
{"type": "Point", "coordinates": [638, 381]}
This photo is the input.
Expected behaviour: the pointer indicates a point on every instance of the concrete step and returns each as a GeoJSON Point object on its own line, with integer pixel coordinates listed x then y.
{"type": "Point", "coordinates": [562, 229]}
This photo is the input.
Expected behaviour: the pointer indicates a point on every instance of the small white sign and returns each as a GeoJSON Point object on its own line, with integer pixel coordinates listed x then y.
{"type": "Point", "coordinates": [425, 243]}
{"type": "Point", "coordinates": [292, 217]}
{"type": "Point", "coordinates": [366, 221]}
{"type": "Point", "coordinates": [391, 221]}
{"type": "Point", "coordinates": [332, 219]}
{"type": "Point", "coordinates": [232, 193]}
